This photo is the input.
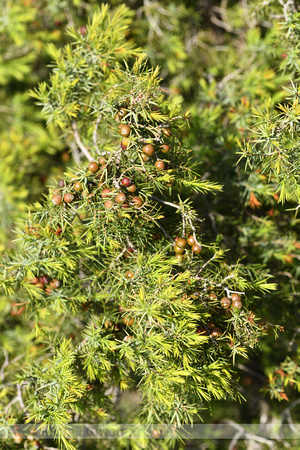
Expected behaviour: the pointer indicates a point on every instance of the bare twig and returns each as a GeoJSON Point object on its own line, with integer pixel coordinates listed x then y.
{"type": "Point", "coordinates": [14, 400]}
{"type": "Point", "coordinates": [17, 398]}
{"type": "Point", "coordinates": [4, 365]}
{"type": "Point", "coordinates": [95, 135]}
{"type": "Point", "coordinates": [130, 243]}
{"type": "Point", "coordinates": [79, 143]}
{"type": "Point", "coordinates": [194, 230]}
{"type": "Point", "coordinates": [288, 408]}
{"type": "Point", "coordinates": [117, 258]}
{"type": "Point", "coordinates": [251, 372]}
{"type": "Point", "coordinates": [207, 262]}
{"type": "Point", "coordinates": [20, 398]}
{"type": "Point", "coordinates": [75, 153]}
{"type": "Point", "coordinates": [236, 437]}
{"type": "Point", "coordinates": [165, 203]}
{"type": "Point", "coordinates": [242, 432]}
{"type": "Point", "coordinates": [164, 231]}
{"type": "Point", "coordinates": [288, 8]}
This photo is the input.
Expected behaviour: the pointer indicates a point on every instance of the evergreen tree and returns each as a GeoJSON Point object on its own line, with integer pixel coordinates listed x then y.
{"type": "Point", "coordinates": [118, 282]}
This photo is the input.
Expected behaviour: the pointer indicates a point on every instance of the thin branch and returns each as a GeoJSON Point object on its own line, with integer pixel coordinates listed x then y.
{"type": "Point", "coordinates": [14, 400]}
{"type": "Point", "coordinates": [193, 229]}
{"type": "Point", "coordinates": [117, 258]}
{"type": "Point", "coordinates": [242, 432]}
{"type": "Point", "coordinates": [288, 8]}
{"type": "Point", "coordinates": [79, 143]}
{"type": "Point", "coordinates": [164, 231]}
{"type": "Point", "coordinates": [95, 134]}
{"type": "Point", "coordinates": [165, 203]}
{"type": "Point", "coordinates": [130, 243]}
{"type": "Point", "coordinates": [5, 364]}
{"type": "Point", "coordinates": [75, 153]}
{"type": "Point", "coordinates": [291, 406]}
{"type": "Point", "coordinates": [226, 26]}
{"type": "Point", "coordinates": [207, 262]}
{"type": "Point", "coordinates": [236, 72]}
{"type": "Point", "coordinates": [236, 437]}
{"type": "Point", "coordinates": [251, 372]}
{"type": "Point", "coordinates": [20, 398]}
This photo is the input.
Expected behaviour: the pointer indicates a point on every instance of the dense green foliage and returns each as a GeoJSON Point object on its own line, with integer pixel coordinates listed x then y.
{"type": "Point", "coordinates": [235, 67]}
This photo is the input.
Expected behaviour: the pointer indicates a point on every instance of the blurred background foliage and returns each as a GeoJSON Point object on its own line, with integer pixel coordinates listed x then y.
{"type": "Point", "coordinates": [219, 59]}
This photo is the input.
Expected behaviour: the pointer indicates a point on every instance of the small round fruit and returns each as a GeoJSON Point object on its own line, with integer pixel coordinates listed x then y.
{"type": "Point", "coordinates": [120, 197]}
{"type": "Point", "coordinates": [148, 149]}
{"type": "Point", "coordinates": [178, 250]}
{"type": "Point", "coordinates": [48, 290]}
{"type": "Point", "coordinates": [155, 433]}
{"type": "Point", "coordinates": [128, 321]}
{"type": "Point", "coordinates": [55, 283]}
{"type": "Point", "coordinates": [225, 302]}
{"type": "Point", "coordinates": [167, 132]}
{"type": "Point", "coordinates": [191, 240]}
{"type": "Point", "coordinates": [126, 182]}
{"type": "Point", "coordinates": [124, 130]}
{"type": "Point", "coordinates": [44, 279]}
{"type": "Point", "coordinates": [137, 202]}
{"type": "Point", "coordinates": [122, 112]}
{"type": "Point", "coordinates": [165, 148]}
{"type": "Point", "coordinates": [213, 296]}
{"type": "Point", "coordinates": [57, 200]}
{"type": "Point", "coordinates": [181, 242]}
{"type": "Point", "coordinates": [101, 161]}
{"type": "Point", "coordinates": [68, 197]}
{"type": "Point", "coordinates": [195, 295]}
{"type": "Point", "coordinates": [132, 188]}
{"type": "Point", "coordinates": [93, 167]}
{"type": "Point", "coordinates": [197, 249]}
{"type": "Point", "coordinates": [108, 204]}
{"type": "Point", "coordinates": [78, 186]}
{"type": "Point", "coordinates": [159, 165]}
{"type": "Point", "coordinates": [125, 143]}
{"type": "Point", "coordinates": [216, 332]}
{"type": "Point", "coordinates": [129, 274]}
{"type": "Point", "coordinates": [104, 167]}
{"type": "Point", "coordinates": [145, 157]}
{"type": "Point", "coordinates": [179, 257]}
{"type": "Point", "coordinates": [61, 183]}
{"type": "Point", "coordinates": [237, 304]}
{"type": "Point", "coordinates": [128, 338]}
{"type": "Point", "coordinates": [40, 285]}
{"type": "Point", "coordinates": [105, 193]}
{"type": "Point", "coordinates": [235, 297]}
